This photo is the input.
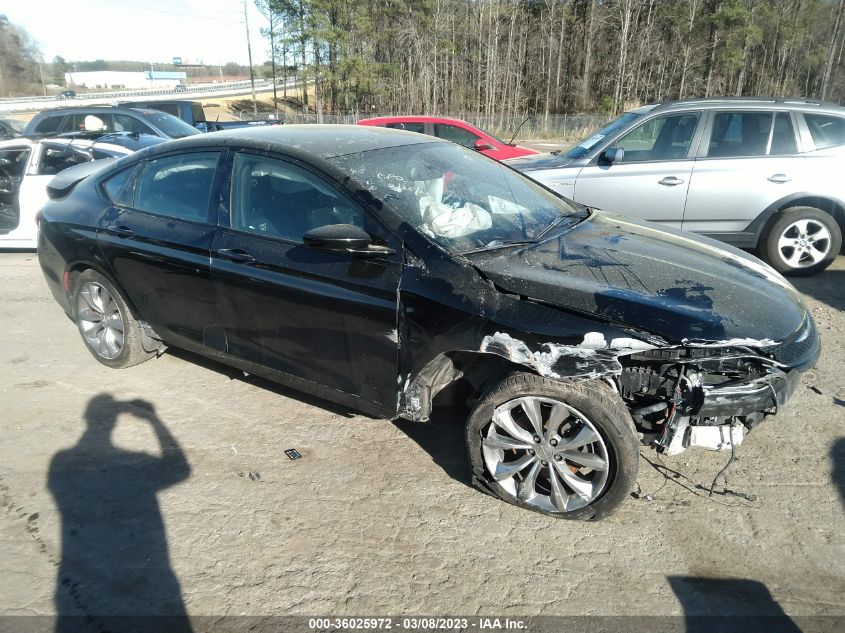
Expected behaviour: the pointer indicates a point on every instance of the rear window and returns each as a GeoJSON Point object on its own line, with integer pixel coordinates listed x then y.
{"type": "Point", "coordinates": [827, 131]}
{"type": "Point", "coordinates": [177, 186]}
{"type": "Point", "coordinates": [114, 185]}
{"type": "Point", "coordinates": [408, 126]}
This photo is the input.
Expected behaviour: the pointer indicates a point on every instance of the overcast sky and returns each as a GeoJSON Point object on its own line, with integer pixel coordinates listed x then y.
{"type": "Point", "coordinates": [208, 31]}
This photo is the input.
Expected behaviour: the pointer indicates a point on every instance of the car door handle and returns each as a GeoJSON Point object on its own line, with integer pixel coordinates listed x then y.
{"type": "Point", "coordinates": [779, 178]}
{"type": "Point", "coordinates": [236, 255]}
{"type": "Point", "coordinates": [120, 231]}
{"type": "Point", "coordinates": [670, 181]}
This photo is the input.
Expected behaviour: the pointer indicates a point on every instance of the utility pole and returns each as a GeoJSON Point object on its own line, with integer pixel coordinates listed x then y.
{"type": "Point", "coordinates": [273, 61]}
{"type": "Point", "coordinates": [249, 52]}
{"type": "Point", "coordinates": [43, 85]}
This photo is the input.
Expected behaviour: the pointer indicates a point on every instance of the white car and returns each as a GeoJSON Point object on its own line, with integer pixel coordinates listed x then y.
{"type": "Point", "coordinates": [27, 165]}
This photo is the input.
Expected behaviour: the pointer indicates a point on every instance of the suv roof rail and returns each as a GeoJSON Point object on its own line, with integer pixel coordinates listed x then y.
{"type": "Point", "coordinates": [746, 100]}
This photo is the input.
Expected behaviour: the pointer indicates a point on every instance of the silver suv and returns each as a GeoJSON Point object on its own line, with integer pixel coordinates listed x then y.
{"type": "Point", "coordinates": [764, 174]}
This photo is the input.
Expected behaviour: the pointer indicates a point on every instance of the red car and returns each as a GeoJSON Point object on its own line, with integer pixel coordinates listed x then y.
{"type": "Point", "coordinates": [454, 130]}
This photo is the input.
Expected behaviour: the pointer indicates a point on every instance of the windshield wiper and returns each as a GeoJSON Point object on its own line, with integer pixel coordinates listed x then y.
{"type": "Point", "coordinates": [497, 244]}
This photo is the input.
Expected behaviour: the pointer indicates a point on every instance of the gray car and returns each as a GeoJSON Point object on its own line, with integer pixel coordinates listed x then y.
{"type": "Point", "coordinates": [764, 174]}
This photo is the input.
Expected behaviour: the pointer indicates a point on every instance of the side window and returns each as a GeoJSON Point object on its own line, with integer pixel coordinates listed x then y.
{"type": "Point", "coordinates": [409, 126]}
{"type": "Point", "coordinates": [114, 185]}
{"type": "Point", "coordinates": [275, 198]}
{"type": "Point", "coordinates": [177, 186]}
{"type": "Point", "coordinates": [56, 158]}
{"type": "Point", "coordinates": [662, 138]}
{"type": "Point", "coordinates": [126, 123]}
{"type": "Point", "coordinates": [783, 135]}
{"type": "Point", "coordinates": [738, 134]}
{"type": "Point", "coordinates": [827, 131]}
{"type": "Point", "coordinates": [455, 134]}
{"type": "Point", "coordinates": [49, 124]}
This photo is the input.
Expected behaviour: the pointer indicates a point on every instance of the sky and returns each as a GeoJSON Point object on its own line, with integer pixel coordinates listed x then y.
{"type": "Point", "coordinates": [198, 31]}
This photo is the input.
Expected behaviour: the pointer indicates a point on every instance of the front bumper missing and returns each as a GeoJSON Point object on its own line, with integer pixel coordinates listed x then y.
{"type": "Point", "coordinates": [766, 394]}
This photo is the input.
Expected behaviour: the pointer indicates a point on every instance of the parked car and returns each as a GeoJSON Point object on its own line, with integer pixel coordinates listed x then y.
{"type": "Point", "coordinates": [11, 128]}
{"type": "Point", "coordinates": [107, 119]}
{"type": "Point", "coordinates": [180, 88]}
{"type": "Point", "coordinates": [391, 272]}
{"type": "Point", "coordinates": [454, 130]}
{"type": "Point", "coordinates": [27, 166]}
{"type": "Point", "coordinates": [760, 174]}
{"type": "Point", "coordinates": [192, 113]}
{"type": "Point", "coordinates": [66, 94]}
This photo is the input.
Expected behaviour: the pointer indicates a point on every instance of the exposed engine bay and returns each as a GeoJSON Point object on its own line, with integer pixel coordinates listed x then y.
{"type": "Point", "coordinates": [702, 398]}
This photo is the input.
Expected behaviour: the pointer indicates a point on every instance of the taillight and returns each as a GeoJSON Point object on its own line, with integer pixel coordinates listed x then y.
{"type": "Point", "coordinates": [66, 280]}
{"type": "Point", "coordinates": [38, 218]}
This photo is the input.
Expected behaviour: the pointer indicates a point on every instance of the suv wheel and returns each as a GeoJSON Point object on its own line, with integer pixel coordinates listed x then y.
{"type": "Point", "coordinates": [802, 241]}
{"type": "Point", "coordinates": [562, 449]}
{"type": "Point", "coordinates": [110, 331]}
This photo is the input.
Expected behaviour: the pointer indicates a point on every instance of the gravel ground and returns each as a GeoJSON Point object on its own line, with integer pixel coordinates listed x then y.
{"type": "Point", "coordinates": [191, 504]}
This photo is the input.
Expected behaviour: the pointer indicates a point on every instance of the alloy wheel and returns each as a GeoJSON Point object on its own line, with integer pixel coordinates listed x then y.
{"type": "Point", "coordinates": [804, 243]}
{"type": "Point", "coordinates": [100, 320]}
{"type": "Point", "coordinates": [545, 453]}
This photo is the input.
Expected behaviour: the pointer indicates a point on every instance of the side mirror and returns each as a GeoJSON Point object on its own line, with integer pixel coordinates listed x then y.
{"type": "Point", "coordinates": [481, 145]}
{"type": "Point", "coordinates": [343, 238]}
{"type": "Point", "coordinates": [612, 155]}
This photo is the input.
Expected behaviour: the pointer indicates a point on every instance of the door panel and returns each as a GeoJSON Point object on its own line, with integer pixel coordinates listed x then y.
{"type": "Point", "coordinates": [750, 162]}
{"type": "Point", "coordinates": [323, 317]}
{"type": "Point", "coordinates": [160, 252]}
{"type": "Point", "coordinates": [652, 179]}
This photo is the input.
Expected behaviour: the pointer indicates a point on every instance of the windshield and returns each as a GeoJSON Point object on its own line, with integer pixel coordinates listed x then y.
{"type": "Point", "coordinates": [584, 146]}
{"type": "Point", "coordinates": [169, 124]}
{"type": "Point", "coordinates": [457, 197]}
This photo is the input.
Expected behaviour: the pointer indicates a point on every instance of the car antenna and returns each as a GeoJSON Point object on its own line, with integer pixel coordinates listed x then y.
{"type": "Point", "coordinates": [510, 142]}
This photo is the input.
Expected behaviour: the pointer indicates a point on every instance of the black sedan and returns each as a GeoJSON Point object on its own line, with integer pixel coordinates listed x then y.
{"type": "Point", "coordinates": [393, 272]}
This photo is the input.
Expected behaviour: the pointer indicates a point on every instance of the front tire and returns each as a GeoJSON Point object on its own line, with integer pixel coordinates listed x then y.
{"type": "Point", "coordinates": [567, 450]}
{"type": "Point", "coordinates": [107, 326]}
{"type": "Point", "coordinates": [802, 241]}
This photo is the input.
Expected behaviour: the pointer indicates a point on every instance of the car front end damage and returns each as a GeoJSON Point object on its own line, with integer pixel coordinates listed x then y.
{"type": "Point", "coordinates": [700, 394]}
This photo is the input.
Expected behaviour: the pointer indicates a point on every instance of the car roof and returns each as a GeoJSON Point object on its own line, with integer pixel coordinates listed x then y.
{"type": "Point", "coordinates": [407, 118]}
{"type": "Point", "coordinates": [744, 103]}
{"type": "Point", "coordinates": [95, 108]}
{"type": "Point", "coordinates": [306, 141]}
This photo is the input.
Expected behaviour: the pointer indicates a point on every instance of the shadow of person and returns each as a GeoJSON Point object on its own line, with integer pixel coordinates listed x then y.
{"type": "Point", "coordinates": [837, 456]}
{"type": "Point", "coordinates": [115, 569]}
{"type": "Point", "coordinates": [729, 605]}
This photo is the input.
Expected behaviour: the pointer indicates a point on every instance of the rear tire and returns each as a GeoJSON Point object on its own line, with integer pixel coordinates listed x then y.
{"type": "Point", "coordinates": [567, 450]}
{"type": "Point", "coordinates": [802, 241]}
{"type": "Point", "coordinates": [108, 328]}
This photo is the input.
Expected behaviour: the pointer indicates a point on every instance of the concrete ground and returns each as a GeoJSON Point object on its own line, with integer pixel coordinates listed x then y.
{"type": "Point", "coordinates": [175, 494]}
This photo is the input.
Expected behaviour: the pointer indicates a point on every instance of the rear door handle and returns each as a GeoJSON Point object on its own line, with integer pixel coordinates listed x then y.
{"type": "Point", "coordinates": [120, 231]}
{"type": "Point", "coordinates": [236, 255]}
{"type": "Point", "coordinates": [779, 178]}
{"type": "Point", "coordinates": [670, 181]}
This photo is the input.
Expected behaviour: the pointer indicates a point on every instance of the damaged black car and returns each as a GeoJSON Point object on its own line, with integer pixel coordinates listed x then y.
{"type": "Point", "coordinates": [392, 272]}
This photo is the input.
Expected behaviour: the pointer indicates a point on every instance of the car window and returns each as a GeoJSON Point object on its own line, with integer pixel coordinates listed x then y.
{"type": "Point", "coordinates": [177, 186]}
{"type": "Point", "coordinates": [783, 135]}
{"type": "Point", "coordinates": [58, 157]}
{"type": "Point", "coordinates": [737, 134]}
{"type": "Point", "coordinates": [12, 168]}
{"type": "Point", "coordinates": [126, 123]}
{"type": "Point", "coordinates": [455, 134]}
{"type": "Point", "coordinates": [274, 198]}
{"type": "Point", "coordinates": [661, 138]}
{"type": "Point", "coordinates": [50, 124]}
{"type": "Point", "coordinates": [827, 131]}
{"type": "Point", "coordinates": [114, 185]}
{"type": "Point", "coordinates": [409, 126]}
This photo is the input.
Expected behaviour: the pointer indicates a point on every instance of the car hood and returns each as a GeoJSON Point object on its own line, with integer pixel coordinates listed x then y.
{"type": "Point", "coordinates": [680, 286]}
{"type": "Point", "coordinates": [539, 161]}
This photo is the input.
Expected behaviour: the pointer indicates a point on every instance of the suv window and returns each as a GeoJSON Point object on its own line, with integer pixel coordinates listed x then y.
{"type": "Point", "coordinates": [738, 134]}
{"type": "Point", "coordinates": [409, 126]}
{"type": "Point", "coordinates": [827, 131]}
{"type": "Point", "coordinates": [48, 125]}
{"type": "Point", "coordinates": [455, 134]}
{"type": "Point", "coordinates": [126, 123]}
{"type": "Point", "coordinates": [177, 186]}
{"type": "Point", "coordinates": [662, 138]}
{"type": "Point", "coordinates": [274, 198]}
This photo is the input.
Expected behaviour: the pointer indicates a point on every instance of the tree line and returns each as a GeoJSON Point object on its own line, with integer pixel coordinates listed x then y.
{"type": "Point", "coordinates": [511, 57]}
